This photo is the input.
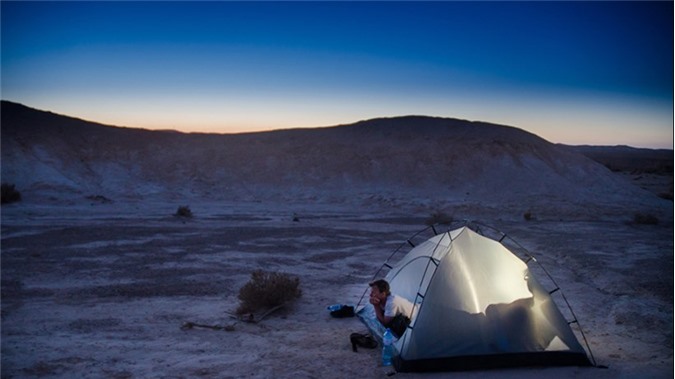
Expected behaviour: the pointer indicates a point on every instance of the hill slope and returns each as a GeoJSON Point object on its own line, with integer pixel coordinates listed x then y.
{"type": "Point", "coordinates": [415, 157]}
{"type": "Point", "coordinates": [651, 169]}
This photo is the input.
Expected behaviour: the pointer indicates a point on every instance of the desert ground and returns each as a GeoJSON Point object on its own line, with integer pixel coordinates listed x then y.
{"type": "Point", "coordinates": [99, 276]}
{"type": "Point", "coordinates": [102, 289]}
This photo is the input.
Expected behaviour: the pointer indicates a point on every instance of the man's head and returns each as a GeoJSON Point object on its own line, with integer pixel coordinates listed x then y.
{"type": "Point", "coordinates": [379, 289]}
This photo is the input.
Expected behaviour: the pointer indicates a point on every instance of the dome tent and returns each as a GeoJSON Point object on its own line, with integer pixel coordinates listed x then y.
{"type": "Point", "coordinates": [477, 305]}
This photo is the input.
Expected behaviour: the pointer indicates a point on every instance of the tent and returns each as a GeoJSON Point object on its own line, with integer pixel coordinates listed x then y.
{"type": "Point", "coordinates": [477, 305]}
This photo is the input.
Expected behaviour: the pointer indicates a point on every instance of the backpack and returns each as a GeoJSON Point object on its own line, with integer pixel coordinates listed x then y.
{"type": "Point", "coordinates": [399, 324]}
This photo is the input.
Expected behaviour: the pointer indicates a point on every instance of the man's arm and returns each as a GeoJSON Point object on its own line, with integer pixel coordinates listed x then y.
{"type": "Point", "coordinates": [379, 313]}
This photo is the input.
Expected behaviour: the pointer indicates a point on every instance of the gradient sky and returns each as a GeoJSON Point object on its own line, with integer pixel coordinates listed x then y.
{"type": "Point", "coordinates": [571, 72]}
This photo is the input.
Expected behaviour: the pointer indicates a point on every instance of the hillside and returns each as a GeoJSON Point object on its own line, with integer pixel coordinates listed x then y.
{"type": "Point", "coordinates": [630, 159]}
{"type": "Point", "coordinates": [651, 169]}
{"type": "Point", "coordinates": [414, 159]}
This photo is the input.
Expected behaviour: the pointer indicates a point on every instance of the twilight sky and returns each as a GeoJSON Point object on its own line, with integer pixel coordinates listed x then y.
{"type": "Point", "coordinates": [571, 72]}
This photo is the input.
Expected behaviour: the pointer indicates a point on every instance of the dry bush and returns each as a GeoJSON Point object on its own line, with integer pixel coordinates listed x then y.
{"type": "Point", "coordinates": [645, 219]}
{"type": "Point", "coordinates": [99, 199]}
{"type": "Point", "coordinates": [666, 195]}
{"type": "Point", "coordinates": [267, 290]}
{"type": "Point", "coordinates": [439, 217]}
{"type": "Point", "coordinates": [9, 194]}
{"type": "Point", "coordinates": [184, 211]}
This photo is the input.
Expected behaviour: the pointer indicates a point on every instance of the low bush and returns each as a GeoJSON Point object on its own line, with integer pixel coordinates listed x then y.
{"type": "Point", "coordinates": [9, 194]}
{"type": "Point", "coordinates": [438, 217]}
{"type": "Point", "coordinates": [99, 199]}
{"type": "Point", "coordinates": [267, 290]}
{"type": "Point", "coordinates": [666, 195]}
{"type": "Point", "coordinates": [184, 211]}
{"type": "Point", "coordinates": [645, 219]}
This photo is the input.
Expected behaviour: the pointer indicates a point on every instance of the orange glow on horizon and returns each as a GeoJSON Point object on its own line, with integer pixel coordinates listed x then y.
{"type": "Point", "coordinates": [574, 124]}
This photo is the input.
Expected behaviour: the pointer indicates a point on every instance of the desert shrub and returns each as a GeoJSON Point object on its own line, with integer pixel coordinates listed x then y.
{"type": "Point", "coordinates": [666, 195]}
{"type": "Point", "coordinates": [99, 199]}
{"type": "Point", "coordinates": [9, 194]}
{"type": "Point", "coordinates": [439, 217]}
{"type": "Point", "coordinates": [645, 219]}
{"type": "Point", "coordinates": [267, 290]}
{"type": "Point", "coordinates": [184, 211]}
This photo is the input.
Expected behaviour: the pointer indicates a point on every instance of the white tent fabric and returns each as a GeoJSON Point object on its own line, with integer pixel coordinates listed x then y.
{"type": "Point", "coordinates": [476, 306]}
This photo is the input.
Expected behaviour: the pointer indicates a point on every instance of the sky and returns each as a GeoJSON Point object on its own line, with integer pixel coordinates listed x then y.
{"type": "Point", "coordinates": [598, 73]}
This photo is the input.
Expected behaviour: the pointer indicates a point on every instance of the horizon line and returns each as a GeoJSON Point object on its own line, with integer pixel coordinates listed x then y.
{"type": "Point", "coordinates": [314, 127]}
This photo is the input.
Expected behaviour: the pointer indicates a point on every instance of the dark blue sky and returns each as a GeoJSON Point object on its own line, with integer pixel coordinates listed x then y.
{"type": "Point", "coordinates": [575, 72]}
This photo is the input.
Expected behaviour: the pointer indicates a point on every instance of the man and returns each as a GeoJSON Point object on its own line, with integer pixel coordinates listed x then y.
{"type": "Point", "coordinates": [392, 311]}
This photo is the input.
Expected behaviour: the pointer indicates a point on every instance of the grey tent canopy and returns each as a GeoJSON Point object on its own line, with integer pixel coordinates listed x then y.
{"type": "Point", "coordinates": [477, 305]}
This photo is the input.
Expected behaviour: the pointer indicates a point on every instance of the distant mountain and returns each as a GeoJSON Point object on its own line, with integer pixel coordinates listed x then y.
{"type": "Point", "coordinates": [415, 157]}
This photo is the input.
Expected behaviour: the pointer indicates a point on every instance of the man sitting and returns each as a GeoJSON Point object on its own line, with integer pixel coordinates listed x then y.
{"type": "Point", "coordinates": [392, 311]}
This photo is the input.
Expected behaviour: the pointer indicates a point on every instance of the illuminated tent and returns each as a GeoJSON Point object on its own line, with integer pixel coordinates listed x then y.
{"type": "Point", "coordinates": [476, 306]}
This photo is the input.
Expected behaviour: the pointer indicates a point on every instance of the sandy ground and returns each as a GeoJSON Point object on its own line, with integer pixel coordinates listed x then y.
{"type": "Point", "coordinates": [102, 290]}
